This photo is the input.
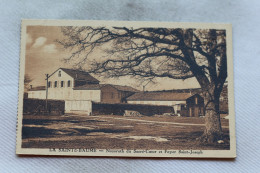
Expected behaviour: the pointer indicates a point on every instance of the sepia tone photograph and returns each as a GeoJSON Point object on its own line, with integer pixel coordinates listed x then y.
{"type": "Point", "coordinates": [133, 89]}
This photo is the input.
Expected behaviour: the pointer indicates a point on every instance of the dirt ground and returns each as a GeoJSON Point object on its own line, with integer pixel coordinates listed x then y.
{"type": "Point", "coordinates": [116, 132]}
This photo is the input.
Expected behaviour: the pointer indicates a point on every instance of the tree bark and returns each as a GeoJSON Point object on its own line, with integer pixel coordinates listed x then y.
{"type": "Point", "coordinates": [213, 130]}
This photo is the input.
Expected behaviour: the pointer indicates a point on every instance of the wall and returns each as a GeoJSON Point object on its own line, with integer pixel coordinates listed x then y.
{"type": "Point", "coordinates": [40, 94]}
{"type": "Point", "coordinates": [113, 95]}
{"type": "Point", "coordinates": [195, 106]}
{"type": "Point", "coordinates": [37, 106]}
{"type": "Point", "coordinates": [78, 106]}
{"type": "Point", "coordinates": [66, 94]}
{"type": "Point", "coordinates": [124, 95]}
{"type": "Point", "coordinates": [110, 95]}
{"type": "Point", "coordinates": [91, 95]}
{"type": "Point", "coordinates": [60, 93]}
{"type": "Point", "coordinates": [119, 109]}
{"type": "Point", "coordinates": [64, 77]}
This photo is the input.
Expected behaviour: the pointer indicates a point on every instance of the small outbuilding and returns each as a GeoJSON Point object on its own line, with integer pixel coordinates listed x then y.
{"type": "Point", "coordinates": [195, 106]}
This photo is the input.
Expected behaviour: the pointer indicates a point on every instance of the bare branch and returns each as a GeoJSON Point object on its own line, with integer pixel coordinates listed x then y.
{"type": "Point", "coordinates": [149, 52]}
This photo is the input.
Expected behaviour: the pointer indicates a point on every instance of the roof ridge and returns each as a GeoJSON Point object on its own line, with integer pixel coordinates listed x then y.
{"type": "Point", "coordinates": [77, 74]}
{"type": "Point", "coordinates": [163, 96]}
{"type": "Point", "coordinates": [178, 89]}
{"type": "Point", "coordinates": [75, 70]}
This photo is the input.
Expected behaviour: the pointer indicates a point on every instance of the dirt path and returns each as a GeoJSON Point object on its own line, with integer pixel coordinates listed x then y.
{"type": "Point", "coordinates": [158, 122]}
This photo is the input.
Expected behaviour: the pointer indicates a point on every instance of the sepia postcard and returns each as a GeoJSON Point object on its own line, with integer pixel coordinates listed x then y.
{"type": "Point", "coordinates": [126, 89]}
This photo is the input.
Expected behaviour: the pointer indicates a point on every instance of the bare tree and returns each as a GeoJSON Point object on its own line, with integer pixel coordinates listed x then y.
{"type": "Point", "coordinates": [148, 53]}
{"type": "Point", "coordinates": [27, 81]}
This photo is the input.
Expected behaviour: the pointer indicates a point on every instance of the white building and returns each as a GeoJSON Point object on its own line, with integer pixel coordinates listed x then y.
{"type": "Point", "coordinates": [61, 86]}
{"type": "Point", "coordinates": [68, 84]}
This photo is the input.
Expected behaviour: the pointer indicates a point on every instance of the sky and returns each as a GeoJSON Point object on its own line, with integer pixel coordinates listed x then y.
{"type": "Point", "coordinates": [44, 56]}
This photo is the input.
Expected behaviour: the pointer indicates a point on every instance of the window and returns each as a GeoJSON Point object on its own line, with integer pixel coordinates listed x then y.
{"type": "Point", "coordinates": [112, 95]}
{"type": "Point", "coordinates": [196, 100]}
{"type": "Point", "coordinates": [191, 112]}
{"type": "Point", "coordinates": [55, 84]}
{"type": "Point", "coordinates": [59, 74]}
{"type": "Point", "coordinates": [69, 83]}
{"type": "Point", "coordinates": [61, 84]}
{"type": "Point", "coordinates": [49, 84]}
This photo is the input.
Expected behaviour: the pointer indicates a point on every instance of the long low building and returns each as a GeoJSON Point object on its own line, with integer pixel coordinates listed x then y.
{"type": "Point", "coordinates": [183, 103]}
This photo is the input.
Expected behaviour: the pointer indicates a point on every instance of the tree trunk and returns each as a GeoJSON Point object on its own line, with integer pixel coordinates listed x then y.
{"type": "Point", "coordinates": [213, 131]}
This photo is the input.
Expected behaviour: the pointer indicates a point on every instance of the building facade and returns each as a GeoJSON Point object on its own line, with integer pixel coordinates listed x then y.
{"type": "Point", "coordinates": [184, 104]}
{"type": "Point", "coordinates": [68, 84]}
{"type": "Point", "coordinates": [195, 106]}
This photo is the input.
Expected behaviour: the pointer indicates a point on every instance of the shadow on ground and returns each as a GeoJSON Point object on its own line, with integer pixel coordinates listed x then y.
{"type": "Point", "coordinates": [41, 132]}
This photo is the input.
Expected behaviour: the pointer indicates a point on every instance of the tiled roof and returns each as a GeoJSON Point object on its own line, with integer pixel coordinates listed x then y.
{"type": "Point", "coordinates": [159, 96]}
{"type": "Point", "coordinates": [89, 87]}
{"type": "Point", "coordinates": [190, 90]}
{"type": "Point", "coordinates": [99, 86]}
{"type": "Point", "coordinates": [80, 75]}
{"type": "Point", "coordinates": [124, 88]}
